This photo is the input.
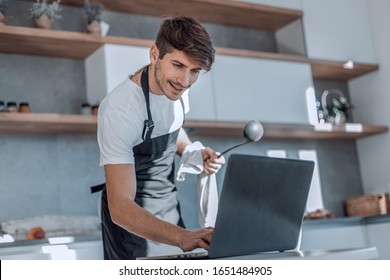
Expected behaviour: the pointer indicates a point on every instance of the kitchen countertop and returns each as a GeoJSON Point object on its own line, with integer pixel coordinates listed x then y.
{"type": "Point", "coordinates": [352, 254]}
{"type": "Point", "coordinates": [51, 240]}
{"type": "Point", "coordinates": [78, 247]}
{"type": "Point", "coordinates": [326, 222]}
{"type": "Point", "coordinates": [307, 224]}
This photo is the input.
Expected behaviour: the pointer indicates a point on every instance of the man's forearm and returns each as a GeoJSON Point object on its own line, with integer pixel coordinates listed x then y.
{"type": "Point", "coordinates": [182, 141]}
{"type": "Point", "coordinates": [139, 221]}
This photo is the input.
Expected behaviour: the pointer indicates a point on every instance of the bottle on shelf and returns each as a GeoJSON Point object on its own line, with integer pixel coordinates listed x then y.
{"type": "Point", "coordinates": [2, 106]}
{"type": "Point", "coordinates": [24, 107]}
{"type": "Point", "coordinates": [12, 107]}
{"type": "Point", "coordinates": [85, 109]}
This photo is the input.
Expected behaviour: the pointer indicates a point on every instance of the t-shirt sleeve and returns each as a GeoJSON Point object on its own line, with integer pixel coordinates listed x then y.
{"type": "Point", "coordinates": [116, 137]}
{"type": "Point", "coordinates": [186, 102]}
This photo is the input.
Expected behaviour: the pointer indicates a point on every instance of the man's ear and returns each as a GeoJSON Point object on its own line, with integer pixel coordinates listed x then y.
{"type": "Point", "coordinates": [153, 54]}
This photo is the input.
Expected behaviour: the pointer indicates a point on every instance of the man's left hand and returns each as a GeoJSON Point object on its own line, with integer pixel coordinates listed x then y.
{"type": "Point", "coordinates": [211, 162]}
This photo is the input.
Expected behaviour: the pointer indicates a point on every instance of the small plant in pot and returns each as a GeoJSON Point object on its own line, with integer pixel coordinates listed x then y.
{"type": "Point", "coordinates": [3, 9]}
{"type": "Point", "coordinates": [44, 13]}
{"type": "Point", "coordinates": [93, 13]}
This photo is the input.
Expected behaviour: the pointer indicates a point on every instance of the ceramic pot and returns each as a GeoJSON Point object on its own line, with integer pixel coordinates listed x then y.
{"type": "Point", "coordinates": [43, 22]}
{"type": "Point", "coordinates": [94, 28]}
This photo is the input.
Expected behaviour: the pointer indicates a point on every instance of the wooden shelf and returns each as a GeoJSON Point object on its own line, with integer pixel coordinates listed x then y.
{"type": "Point", "coordinates": [57, 43]}
{"type": "Point", "coordinates": [335, 70]}
{"type": "Point", "coordinates": [61, 123]}
{"type": "Point", "coordinates": [46, 123]}
{"type": "Point", "coordinates": [278, 131]}
{"type": "Point", "coordinates": [34, 41]}
{"type": "Point", "coordinates": [225, 12]}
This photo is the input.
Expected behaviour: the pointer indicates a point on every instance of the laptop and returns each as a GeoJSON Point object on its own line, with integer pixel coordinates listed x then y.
{"type": "Point", "coordinates": [261, 207]}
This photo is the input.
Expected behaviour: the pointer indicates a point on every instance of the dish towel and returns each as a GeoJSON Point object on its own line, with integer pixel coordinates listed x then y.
{"type": "Point", "coordinates": [192, 162]}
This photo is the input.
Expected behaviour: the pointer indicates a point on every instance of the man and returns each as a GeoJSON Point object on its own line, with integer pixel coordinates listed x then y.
{"type": "Point", "coordinates": [139, 132]}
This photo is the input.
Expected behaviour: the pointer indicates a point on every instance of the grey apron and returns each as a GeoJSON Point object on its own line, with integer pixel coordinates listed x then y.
{"type": "Point", "coordinates": [156, 192]}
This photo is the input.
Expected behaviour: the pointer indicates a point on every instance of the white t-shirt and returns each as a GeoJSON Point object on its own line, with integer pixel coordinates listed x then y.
{"type": "Point", "coordinates": [121, 120]}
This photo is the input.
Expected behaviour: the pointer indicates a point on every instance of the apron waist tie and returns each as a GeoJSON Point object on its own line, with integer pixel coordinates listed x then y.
{"type": "Point", "coordinates": [98, 188]}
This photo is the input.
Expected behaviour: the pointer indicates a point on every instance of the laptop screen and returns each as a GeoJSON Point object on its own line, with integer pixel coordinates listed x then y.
{"type": "Point", "coordinates": [261, 206]}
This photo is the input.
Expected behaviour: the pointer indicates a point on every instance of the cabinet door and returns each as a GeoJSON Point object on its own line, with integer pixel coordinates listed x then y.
{"type": "Point", "coordinates": [338, 30]}
{"type": "Point", "coordinates": [333, 238]}
{"type": "Point", "coordinates": [378, 236]}
{"type": "Point", "coordinates": [266, 90]}
{"type": "Point", "coordinates": [109, 66]}
{"type": "Point", "coordinates": [122, 61]}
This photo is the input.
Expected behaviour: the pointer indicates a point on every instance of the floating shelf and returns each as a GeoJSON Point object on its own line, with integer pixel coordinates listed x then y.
{"type": "Point", "coordinates": [62, 123]}
{"type": "Point", "coordinates": [53, 43]}
{"type": "Point", "coordinates": [279, 131]}
{"type": "Point", "coordinates": [46, 123]}
{"type": "Point", "coordinates": [225, 12]}
{"type": "Point", "coordinates": [335, 70]}
{"type": "Point", "coordinates": [57, 43]}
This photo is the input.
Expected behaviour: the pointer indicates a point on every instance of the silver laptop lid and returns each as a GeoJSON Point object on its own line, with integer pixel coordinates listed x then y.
{"type": "Point", "coordinates": [261, 205]}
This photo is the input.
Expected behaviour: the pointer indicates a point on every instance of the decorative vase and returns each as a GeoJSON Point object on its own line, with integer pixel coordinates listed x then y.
{"type": "Point", "coordinates": [94, 27]}
{"type": "Point", "coordinates": [43, 22]}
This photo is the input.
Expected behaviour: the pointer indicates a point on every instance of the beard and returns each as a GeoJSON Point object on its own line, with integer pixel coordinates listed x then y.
{"type": "Point", "coordinates": [157, 74]}
{"type": "Point", "coordinates": [160, 81]}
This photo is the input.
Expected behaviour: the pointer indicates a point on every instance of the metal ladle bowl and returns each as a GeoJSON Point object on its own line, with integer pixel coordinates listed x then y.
{"type": "Point", "coordinates": [253, 132]}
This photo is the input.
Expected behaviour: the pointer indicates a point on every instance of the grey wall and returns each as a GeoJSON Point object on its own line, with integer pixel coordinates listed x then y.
{"type": "Point", "coordinates": [371, 92]}
{"type": "Point", "coordinates": [51, 174]}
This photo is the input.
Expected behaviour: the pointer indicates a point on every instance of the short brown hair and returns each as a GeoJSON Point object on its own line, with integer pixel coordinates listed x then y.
{"type": "Point", "coordinates": [188, 35]}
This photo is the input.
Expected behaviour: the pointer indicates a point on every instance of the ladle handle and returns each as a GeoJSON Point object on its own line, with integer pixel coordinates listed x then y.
{"type": "Point", "coordinates": [231, 148]}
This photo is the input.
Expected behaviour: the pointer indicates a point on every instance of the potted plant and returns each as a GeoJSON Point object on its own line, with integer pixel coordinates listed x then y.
{"type": "Point", "coordinates": [3, 8]}
{"type": "Point", "coordinates": [93, 13]}
{"type": "Point", "coordinates": [44, 13]}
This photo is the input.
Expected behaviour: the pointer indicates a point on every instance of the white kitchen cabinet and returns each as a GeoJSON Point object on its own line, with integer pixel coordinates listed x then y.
{"type": "Point", "coordinates": [202, 98]}
{"type": "Point", "coordinates": [338, 30]}
{"type": "Point", "coordinates": [379, 237]}
{"type": "Point", "coordinates": [266, 90]}
{"type": "Point", "coordinates": [337, 237]}
{"type": "Point", "coordinates": [43, 250]}
{"type": "Point", "coordinates": [109, 66]}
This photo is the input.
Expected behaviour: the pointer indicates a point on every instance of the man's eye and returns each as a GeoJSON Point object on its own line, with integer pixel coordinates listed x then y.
{"type": "Point", "coordinates": [177, 65]}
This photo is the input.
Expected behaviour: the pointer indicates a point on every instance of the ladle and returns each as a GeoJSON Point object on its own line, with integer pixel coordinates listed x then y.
{"type": "Point", "coordinates": [253, 131]}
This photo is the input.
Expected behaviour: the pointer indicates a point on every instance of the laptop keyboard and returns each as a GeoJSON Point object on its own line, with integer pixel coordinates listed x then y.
{"type": "Point", "coordinates": [184, 256]}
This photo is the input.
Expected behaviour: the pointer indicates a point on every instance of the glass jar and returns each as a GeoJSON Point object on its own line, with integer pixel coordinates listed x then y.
{"type": "Point", "coordinates": [2, 106]}
{"type": "Point", "coordinates": [24, 107]}
{"type": "Point", "coordinates": [12, 107]}
{"type": "Point", "coordinates": [85, 109]}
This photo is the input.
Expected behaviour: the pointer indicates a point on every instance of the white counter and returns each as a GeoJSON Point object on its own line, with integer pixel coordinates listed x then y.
{"type": "Point", "coordinates": [354, 254]}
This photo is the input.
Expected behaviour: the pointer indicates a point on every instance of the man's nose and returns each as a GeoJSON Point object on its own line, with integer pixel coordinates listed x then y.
{"type": "Point", "coordinates": [184, 79]}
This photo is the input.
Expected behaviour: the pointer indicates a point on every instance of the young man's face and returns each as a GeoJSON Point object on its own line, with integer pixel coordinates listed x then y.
{"type": "Point", "coordinates": [173, 74]}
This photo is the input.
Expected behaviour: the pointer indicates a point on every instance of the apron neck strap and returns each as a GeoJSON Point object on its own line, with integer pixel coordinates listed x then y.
{"type": "Point", "coordinates": [148, 124]}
